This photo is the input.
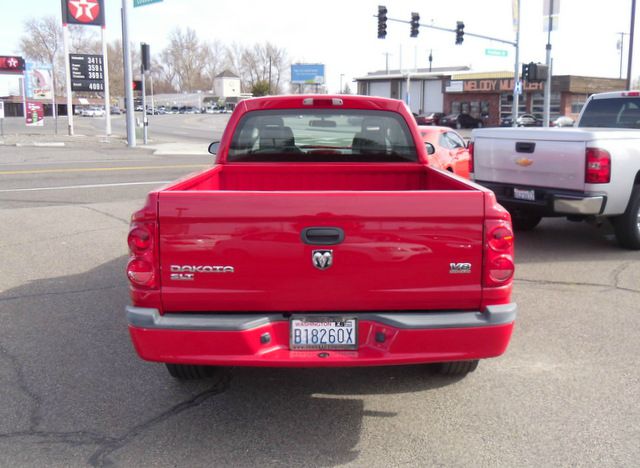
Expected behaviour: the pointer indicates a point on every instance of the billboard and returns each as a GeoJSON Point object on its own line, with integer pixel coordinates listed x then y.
{"type": "Point", "coordinates": [38, 81]}
{"type": "Point", "coordinates": [307, 73]}
{"type": "Point", "coordinates": [35, 114]}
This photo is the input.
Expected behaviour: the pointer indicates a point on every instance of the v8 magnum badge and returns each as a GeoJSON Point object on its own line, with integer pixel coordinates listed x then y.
{"type": "Point", "coordinates": [322, 259]}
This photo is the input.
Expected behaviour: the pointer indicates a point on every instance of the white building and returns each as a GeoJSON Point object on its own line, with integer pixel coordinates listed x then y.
{"type": "Point", "coordinates": [226, 85]}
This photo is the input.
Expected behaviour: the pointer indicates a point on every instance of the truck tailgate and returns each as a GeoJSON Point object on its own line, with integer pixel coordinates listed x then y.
{"type": "Point", "coordinates": [549, 158]}
{"type": "Point", "coordinates": [243, 251]}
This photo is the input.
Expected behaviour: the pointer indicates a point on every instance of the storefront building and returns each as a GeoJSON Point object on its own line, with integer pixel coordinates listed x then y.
{"type": "Point", "coordinates": [487, 95]}
{"type": "Point", "coordinates": [490, 95]}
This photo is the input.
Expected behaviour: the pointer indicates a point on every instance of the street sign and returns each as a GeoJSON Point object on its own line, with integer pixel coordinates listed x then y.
{"type": "Point", "coordinates": [87, 72]}
{"type": "Point", "coordinates": [139, 3]}
{"type": "Point", "coordinates": [1, 109]}
{"type": "Point", "coordinates": [496, 52]}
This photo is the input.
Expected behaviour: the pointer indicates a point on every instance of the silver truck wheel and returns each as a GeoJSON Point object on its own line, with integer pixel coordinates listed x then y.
{"type": "Point", "coordinates": [627, 225]}
{"type": "Point", "coordinates": [524, 221]}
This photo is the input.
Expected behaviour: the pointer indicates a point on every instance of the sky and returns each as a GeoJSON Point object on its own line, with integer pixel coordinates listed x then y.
{"type": "Point", "coordinates": [343, 34]}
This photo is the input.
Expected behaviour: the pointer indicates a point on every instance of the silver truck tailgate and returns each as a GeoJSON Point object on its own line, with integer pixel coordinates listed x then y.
{"type": "Point", "coordinates": [530, 158]}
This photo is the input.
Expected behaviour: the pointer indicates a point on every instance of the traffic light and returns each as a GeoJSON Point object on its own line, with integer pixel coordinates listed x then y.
{"type": "Point", "coordinates": [146, 56]}
{"type": "Point", "coordinates": [382, 21]}
{"type": "Point", "coordinates": [538, 72]}
{"type": "Point", "coordinates": [415, 24]}
{"type": "Point", "coordinates": [525, 71]}
{"type": "Point", "coordinates": [137, 85]}
{"type": "Point", "coordinates": [459, 32]}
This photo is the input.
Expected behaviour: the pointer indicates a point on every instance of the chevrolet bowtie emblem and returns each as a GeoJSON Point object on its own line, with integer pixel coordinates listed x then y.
{"type": "Point", "coordinates": [524, 162]}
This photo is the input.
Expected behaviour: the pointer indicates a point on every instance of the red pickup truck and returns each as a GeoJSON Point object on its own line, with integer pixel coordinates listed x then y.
{"type": "Point", "coordinates": [320, 238]}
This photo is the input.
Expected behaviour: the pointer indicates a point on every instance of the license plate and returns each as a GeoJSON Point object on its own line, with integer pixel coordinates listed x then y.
{"type": "Point", "coordinates": [520, 194]}
{"type": "Point", "coordinates": [323, 333]}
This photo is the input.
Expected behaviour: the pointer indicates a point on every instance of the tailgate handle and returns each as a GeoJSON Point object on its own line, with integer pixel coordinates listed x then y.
{"type": "Point", "coordinates": [525, 147]}
{"type": "Point", "coordinates": [322, 235]}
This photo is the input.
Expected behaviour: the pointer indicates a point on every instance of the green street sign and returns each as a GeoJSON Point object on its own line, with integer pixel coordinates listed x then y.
{"type": "Point", "coordinates": [139, 3]}
{"type": "Point", "coordinates": [496, 52]}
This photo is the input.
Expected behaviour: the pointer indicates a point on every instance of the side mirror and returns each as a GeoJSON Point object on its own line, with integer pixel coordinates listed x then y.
{"type": "Point", "coordinates": [213, 147]}
{"type": "Point", "coordinates": [430, 148]}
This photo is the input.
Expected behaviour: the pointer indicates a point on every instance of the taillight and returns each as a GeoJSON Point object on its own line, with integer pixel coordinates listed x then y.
{"type": "Point", "coordinates": [470, 148]}
{"type": "Point", "coordinates": [143, 267]}
{"type": "Point", "coordinates": [140, 272]}
{"type": "Point", "coordinates": [139, 240]}
{"type": "Point", "coordinates": [499, 265]}
{"type": "Point", "coordinates": [598, 166]}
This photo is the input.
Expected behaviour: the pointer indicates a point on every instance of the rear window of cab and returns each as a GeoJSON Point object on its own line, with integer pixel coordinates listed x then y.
{"type": "Point", "coordinates": [318, 135]}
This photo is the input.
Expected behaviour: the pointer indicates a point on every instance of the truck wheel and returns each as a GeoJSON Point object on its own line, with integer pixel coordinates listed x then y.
{"type": "Point", "coordinates": [524, 221]}
{"type": "Point", "coordinates": [191, 372]}
{"type": "Point", "coordinates": [627, 225]}
{"type": "Point", "coordinates": [457, 367]}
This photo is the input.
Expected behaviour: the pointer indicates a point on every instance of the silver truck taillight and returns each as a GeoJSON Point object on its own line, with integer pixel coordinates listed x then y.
{"type": "Point", "coordinates": [598, 166]}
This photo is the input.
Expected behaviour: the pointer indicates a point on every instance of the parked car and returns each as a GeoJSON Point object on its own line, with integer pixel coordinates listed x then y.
{"type": "Point", "coordinates": [115, 110]}
{"type": "Point", "coordinates": [528, 120]}
{"type": "Point", "coordinates": [461, 121]}
{"type": "Point", "coordinates": [309, 262]}
{"type": "Point", "coordinates": [591, 172]}
{"type": "Point", "coordinates": [562, 121]}
{"type": "Point", "coordinates": [448, 149]}
{"type": "Point", "coordinates": [93, 111]}
{"type": "Point", "coordinates": [432, 118]}
{"type": "Point", "coordinates": [506, 121]}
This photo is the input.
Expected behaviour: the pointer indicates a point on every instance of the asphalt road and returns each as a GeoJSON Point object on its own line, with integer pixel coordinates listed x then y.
{"type": "Point", "coordinates": [74, 393]}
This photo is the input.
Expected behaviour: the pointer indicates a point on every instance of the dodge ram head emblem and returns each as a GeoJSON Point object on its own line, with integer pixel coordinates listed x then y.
{"type": "Point", "coordinates": [322, 259]}
{"type": "Point", "coordinates": [524, 162]}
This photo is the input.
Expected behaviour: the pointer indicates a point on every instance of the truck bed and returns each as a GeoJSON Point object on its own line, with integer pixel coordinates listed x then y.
{"type": "Point", "coordinates": [403, 228]}
{"type": "Point", "coordinates": [319, 177]}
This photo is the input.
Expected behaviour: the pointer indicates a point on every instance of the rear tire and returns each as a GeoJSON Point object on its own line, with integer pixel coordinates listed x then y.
{"type": "Point", "coordinates": [627, 225]}
{"type": "Point", "coordinates": [525, 221]}
{"type": "Point", "coordinates": [192, 372]}
{"type": "Point", "coordinates": [460, 368]}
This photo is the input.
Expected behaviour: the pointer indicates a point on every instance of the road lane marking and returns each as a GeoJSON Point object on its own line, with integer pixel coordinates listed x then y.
{"type": "Point", "coordinates": [68, 187]}
{"type": "Point", "coordinates": [100, 169]}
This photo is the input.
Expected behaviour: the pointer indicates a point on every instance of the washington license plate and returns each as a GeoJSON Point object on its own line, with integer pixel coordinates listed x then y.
{"type": "Point", "coordinates": [520, 194]}
{"type": "Point", "coordinates": [323, 333]}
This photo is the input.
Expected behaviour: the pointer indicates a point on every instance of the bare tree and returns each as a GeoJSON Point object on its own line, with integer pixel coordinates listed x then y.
{"type": "Point", "coordinates": [42, 42]}
{"type": "Point", "coordinates": [214, 56]}
{"type": "Point", "coordinates": [185, 57]}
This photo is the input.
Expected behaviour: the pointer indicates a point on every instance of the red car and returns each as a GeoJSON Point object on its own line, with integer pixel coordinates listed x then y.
{"type": "Point", "coordinates": [429, 119]}
{"type": "Point", "coordinates": [316, 242]}
{"type": "Point", "coordinates": [449, 150]}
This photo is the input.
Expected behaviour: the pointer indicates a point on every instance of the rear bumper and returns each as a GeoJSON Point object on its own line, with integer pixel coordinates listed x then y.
{"type": "Point", "coordinates": [384, 338]}
{"type": "Point", "coordinates": [549, 201]}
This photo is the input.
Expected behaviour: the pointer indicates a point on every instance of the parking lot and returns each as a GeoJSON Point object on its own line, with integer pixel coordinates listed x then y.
{"type": "Point", "coordinates": [76, 394]}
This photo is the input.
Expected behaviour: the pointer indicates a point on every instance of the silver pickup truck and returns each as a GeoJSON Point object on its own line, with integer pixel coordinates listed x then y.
{"type": "Point", "coordinates": [589, 172]}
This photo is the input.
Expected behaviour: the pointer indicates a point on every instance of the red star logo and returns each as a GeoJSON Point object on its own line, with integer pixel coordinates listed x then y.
{"type": "Point", "coordinates": [85, 11]}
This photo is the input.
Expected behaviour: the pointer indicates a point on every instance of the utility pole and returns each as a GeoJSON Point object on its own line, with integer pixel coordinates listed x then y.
{"type": "Point", "coordinates": [516, 72]}
{"type": "Point", "coordinates": [631, 30]}
{"type": "Point", "coordinates": [621, 49]}
{"type": "Point", "coordinates": [128, 76]}
{"type": "Point", "coordinates": [547, 85]}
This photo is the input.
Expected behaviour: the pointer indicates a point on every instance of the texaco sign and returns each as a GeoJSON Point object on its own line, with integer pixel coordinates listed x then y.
{"type": "Point", "coordinates": [84, 12]}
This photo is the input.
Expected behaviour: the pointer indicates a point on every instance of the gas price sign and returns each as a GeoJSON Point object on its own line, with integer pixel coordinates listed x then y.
{"type": "Point", "coordinates": [87, 72]}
